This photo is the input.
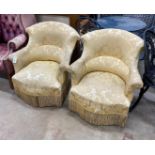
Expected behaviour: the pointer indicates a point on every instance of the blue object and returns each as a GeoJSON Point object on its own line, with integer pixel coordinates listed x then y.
{"type": "Point", "coordinates": [126, 23]}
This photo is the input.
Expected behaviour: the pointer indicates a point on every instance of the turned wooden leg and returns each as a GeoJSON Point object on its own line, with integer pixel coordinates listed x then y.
{"type": "Point", "coordinates": [9, 71]}
{"type": "Point", "coordinates": [10, 81]}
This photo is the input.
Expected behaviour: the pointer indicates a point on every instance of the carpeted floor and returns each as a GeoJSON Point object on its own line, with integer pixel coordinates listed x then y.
{"type": "Point", "coordinates": [21, 121]}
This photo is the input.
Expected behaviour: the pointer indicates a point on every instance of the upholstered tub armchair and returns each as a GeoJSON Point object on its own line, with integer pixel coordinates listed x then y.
{"type": "Point", "coordinates": [105, 77]}
{"type": "Point", "coordinates": [12, 38]}
{"type": "Point", "coordinates": [40, 77]}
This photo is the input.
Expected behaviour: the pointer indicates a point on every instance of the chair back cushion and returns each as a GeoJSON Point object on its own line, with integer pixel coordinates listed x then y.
{"type": "Point", "coordinates": [109, 64]}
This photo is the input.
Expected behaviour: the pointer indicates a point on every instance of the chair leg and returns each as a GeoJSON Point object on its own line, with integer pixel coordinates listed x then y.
{"type": "Point", "coordinates": [10, 82]}
{"type": "Point", "coordinates": [9, 71]}
{"type": "Point", "coordinates": [142, 91]}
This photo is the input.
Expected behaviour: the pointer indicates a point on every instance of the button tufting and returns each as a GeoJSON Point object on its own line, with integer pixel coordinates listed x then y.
{"type": "Point", "coordinates": [6, 17]}
{"type": "Point", "coordinates": [13, 18]}
{"type": "Point", "coordinates": [14, 31]}
{"type": "Point", "coordinates": [3, 24]}
{"type": "Point", "coordinates": [17, 26]}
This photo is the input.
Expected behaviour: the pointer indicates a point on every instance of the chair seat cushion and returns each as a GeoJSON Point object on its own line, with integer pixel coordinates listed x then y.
{"type": "Point", "coordinates": [3, 54]}
{"type": "Point", "coordinates": [39, 78]}
{"type": "Point", "coordinates": [102, 93]}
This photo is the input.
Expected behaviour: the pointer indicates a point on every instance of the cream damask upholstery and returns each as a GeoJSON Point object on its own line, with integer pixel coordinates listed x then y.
{"type": "Point", "coordinates": [40, 77]}
{"type": "Point", "coordinates": [105, 77]}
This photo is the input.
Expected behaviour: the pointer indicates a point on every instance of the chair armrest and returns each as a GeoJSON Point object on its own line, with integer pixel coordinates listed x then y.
{"type": "Point", "coordinates": [65, 60]}
{"type": "Point", "coordinates": [77, 70]}
{"type": "Point", "coordinates": [17, 42]}
{"type": "Point", "coordinates": [134, 82]}
{"type": "Point", "coordinates": [67, 53]}
{"type": "Point", "coordinates": [18, 59]}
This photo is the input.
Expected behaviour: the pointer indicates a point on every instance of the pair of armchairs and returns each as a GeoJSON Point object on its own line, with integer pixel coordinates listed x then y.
{"type": "Point", "coordinates": [103, 79]}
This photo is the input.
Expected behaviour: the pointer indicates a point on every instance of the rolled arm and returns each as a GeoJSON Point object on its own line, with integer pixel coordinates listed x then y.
{"type": "Point", "coordinates": [65, 59]}
{"type": "Point", "coordinates": [17, 42]}
{"type": "Point", "coordinates": [134, 82]}
{"type": "Point", "coordinates": [15, 57]}
{"type": "Point", "coordinates": [69, 46]}
{"type": "Point", "coordinates": [77, 70]}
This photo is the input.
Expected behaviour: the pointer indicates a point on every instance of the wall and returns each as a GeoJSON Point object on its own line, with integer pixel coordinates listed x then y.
{"type": "Point", "coordinates": [45, 17]}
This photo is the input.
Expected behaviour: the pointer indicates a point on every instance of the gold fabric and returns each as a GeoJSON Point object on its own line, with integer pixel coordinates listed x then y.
{"type": "Point", "coordinates": [40, 76]}
{"type": "Point", "coordinates": [105, 77]}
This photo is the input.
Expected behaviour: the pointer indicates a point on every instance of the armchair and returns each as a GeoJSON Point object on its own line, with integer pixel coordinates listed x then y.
{"type": "Point", "coordinates": [40, 67]}
{"type": "Point", "coordinates": [105, 77]}
{"type": "Point", "coordinates": [12, 38]}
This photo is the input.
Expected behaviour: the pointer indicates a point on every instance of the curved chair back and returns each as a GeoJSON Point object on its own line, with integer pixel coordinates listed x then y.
{"type": "Point", "coordinates": [47, 41]}
{"type": "Point", "coordinates": [53, 33]}
{"type": "Point", "coordinates": [112, 42]}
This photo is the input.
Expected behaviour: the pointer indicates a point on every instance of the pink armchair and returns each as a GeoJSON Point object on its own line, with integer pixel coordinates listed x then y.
{"type": "Point", "coordinates": [12, 38]}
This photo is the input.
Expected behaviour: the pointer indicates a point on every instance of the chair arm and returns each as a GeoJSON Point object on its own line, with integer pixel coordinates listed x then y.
{"type": "Point", "coordinates": [77, 70]}
{"type": "Point", "coordinates": [18, 59]}
{"type": "Point", "coordinates": [65, 61]}
{"type": "Point", "coordinates": [67, 53]}
{"type": "Point", "coordinates": [134, 82]}
{"type": "Point", "coordinates": [17, 42]}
